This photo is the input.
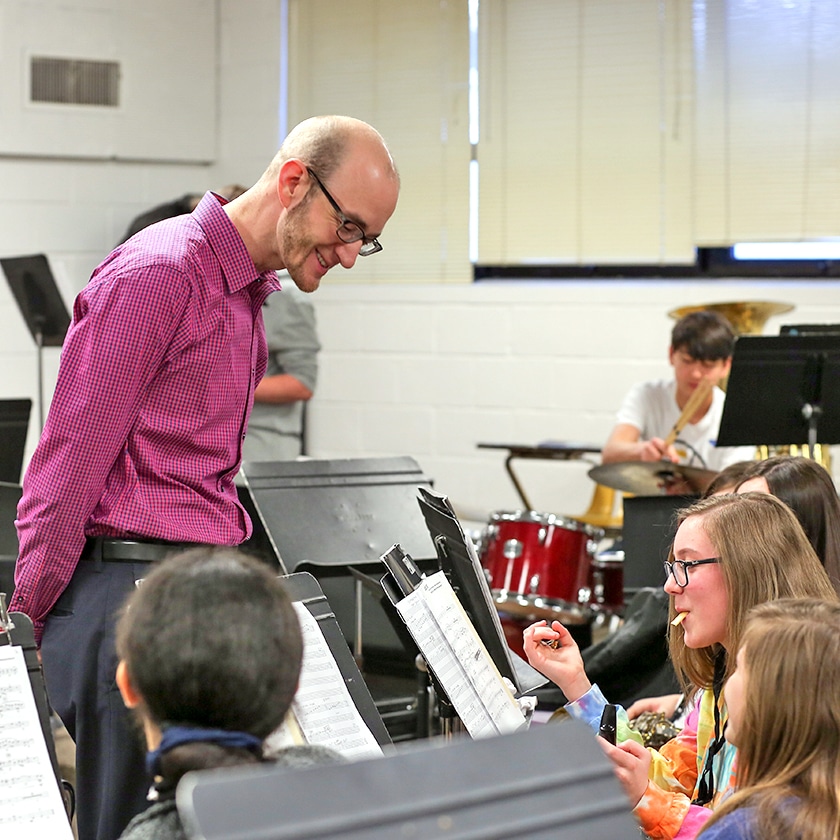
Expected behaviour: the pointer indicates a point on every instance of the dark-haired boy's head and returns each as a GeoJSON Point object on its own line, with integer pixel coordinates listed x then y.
{"type": "Point", "coordinates": [211, 639]}
{"type": "Point", "coordinates": [705, 336]}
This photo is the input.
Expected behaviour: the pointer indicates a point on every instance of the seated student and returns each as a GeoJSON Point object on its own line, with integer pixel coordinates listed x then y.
{"type": "Point", "coordinates": [808, 490]}
{"type": "Point", "coordinates": [730, 553]}
{"type": "Point", "coordinates": [701, 348]}
{"type": "Point", "coordinates": [676, 706]}
{"type": "Point", "coordinates": [210, 654]}
{"type": "Point", "coordinates": [785, 721]}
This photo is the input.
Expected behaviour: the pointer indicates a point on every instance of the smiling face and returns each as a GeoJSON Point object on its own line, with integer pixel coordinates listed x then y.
{"type": "Point", "coordinates": [704, 599]}
{"type": "Point", "coordinates": [365, 190]}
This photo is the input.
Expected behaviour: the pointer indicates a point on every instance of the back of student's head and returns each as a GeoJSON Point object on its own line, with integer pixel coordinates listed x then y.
{"type": "Point", "coordinates": [729, 478]}
{"type": "Point", "coordinates": [807, 488]}
{"type": "Point", "coordinates": [705, 336]}
{"type": "Point", "coordinates": [763, 555]}
{"type": "Point", "coordinates": [210, 639]}
{"type": "Point", "coordinates": [789, 734]}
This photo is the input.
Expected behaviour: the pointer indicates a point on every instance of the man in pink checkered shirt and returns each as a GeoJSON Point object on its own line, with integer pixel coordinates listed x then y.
{"type": "Point", "coordinates": [144, 433]}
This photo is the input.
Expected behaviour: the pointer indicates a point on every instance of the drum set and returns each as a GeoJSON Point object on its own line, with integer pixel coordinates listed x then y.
{"type": "Point", "coordinates": [544, 566]}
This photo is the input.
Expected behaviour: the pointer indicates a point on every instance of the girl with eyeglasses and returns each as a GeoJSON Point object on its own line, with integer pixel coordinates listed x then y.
{"type": "Point", "coordinates": [730, 553]}
{"type": "Point", "coordinates": [788, 739]}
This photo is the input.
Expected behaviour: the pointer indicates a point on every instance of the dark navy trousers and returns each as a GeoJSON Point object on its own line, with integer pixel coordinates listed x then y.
{"type": "Point", "coordinates": [80, 661]}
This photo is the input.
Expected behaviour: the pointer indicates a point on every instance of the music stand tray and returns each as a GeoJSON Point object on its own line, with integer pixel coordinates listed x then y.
{"type": "Point", "coordinates": [33, 285]}
{"type": "Point", "coordinates": [551, 782]}
{"type": "Point", "coordinates": [322, 514]}
{"type": "Point", "coordinates": [783, 390]}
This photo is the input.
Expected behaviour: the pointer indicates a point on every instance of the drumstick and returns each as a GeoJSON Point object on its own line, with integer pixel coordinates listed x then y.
{"type": "Point", "coordinates": [694, 402]}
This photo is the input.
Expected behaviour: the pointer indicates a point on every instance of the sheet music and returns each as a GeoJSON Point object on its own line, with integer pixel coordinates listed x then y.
{"type": "Point", "coordinates": [458, 658]}
{"type": "Point", "coordinates": [323, 708]}
{"type": "Point", "coordinates": [476, 584]}
{"type": "Point", "coordinates": [30, 803]}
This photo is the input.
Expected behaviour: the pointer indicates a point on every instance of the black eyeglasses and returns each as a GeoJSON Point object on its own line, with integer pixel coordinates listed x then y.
{"type": "Point", "coordinates": [679, 568]}
{"type": "Point", "coordinates": [348, 231]}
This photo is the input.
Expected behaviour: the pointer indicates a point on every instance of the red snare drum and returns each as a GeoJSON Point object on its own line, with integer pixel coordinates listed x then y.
{"type": "Point", "coordinates": [606, 582]}
{"type": "Point", "coordinates": [539, 563]}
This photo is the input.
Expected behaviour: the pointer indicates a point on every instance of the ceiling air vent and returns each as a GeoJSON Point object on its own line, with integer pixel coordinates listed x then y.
{"type": "Point", "coordinates": [70, 81]}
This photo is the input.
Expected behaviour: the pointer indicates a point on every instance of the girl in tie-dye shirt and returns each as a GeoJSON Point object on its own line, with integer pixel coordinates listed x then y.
{"type": "Point", "coordinates": [729, 554]}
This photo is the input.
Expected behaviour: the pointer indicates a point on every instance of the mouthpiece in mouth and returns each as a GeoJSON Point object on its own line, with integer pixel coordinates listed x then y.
{"type": "Point", "coordinates": [679, 619]}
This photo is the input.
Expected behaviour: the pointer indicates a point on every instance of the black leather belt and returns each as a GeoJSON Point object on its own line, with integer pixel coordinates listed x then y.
{"type": "Point", "coordinates": [114, 550]}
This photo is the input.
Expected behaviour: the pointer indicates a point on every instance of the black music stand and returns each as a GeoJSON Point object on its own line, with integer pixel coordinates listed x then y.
{"type": "Point", "coordinates": [321, 515]}
{"type": "Point", "coordinates": [9, 498]}
{"type": "Point", "coordinates": [551, 782]}
{"type": "Point", "coordinates": [33, 285]}
{"type": "Point", "coordinates": [334, 518]}
{"type": "Point", "coordinates": [783, 390]}
{"type": "Point", "coordinates": [14, 429]}
{"type": "Point", "coordinates": [464, 572]}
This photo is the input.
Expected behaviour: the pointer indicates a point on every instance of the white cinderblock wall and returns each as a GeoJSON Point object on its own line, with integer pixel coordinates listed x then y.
{"type": "Point", "coordinates": [431, 371]}
{"type": "Point", "coordinates": [424, 370]}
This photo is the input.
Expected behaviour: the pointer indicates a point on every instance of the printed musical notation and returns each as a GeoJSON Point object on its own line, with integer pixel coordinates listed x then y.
{"type": "Point", "coordinates": [323, 710]}
{"type": "Point", "coordinates": [30, 802]}
{"type": "Point", "coordinates": [458, 658]}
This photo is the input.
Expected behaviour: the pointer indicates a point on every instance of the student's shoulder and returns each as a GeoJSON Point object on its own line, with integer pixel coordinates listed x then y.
{"type": "Point", "coordinates": [160, 821]}
{"type": "Point", "coordinates": [737, 825]}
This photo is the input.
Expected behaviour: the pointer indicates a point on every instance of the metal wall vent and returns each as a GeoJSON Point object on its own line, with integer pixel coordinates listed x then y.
{"type": "Point", "coordinates": [69, 81]}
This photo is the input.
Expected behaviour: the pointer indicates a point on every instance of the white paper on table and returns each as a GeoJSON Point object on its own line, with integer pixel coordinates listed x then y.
{"type": "Point", "coordinates": [323, 709]}
{"type": "Point", "coordinates": [457, 656]}
{"type": "Point", "coordinates": [31, 807]}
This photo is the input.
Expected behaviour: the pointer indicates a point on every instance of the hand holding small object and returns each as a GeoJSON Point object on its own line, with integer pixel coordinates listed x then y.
{"type": "Point", "coordinates": [553, 651]}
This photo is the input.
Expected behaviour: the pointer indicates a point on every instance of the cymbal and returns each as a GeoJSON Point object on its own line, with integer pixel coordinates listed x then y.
{"type": "Point", "coordinates": [651, 478]}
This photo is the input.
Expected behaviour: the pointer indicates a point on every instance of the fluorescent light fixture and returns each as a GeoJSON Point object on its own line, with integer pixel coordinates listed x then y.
{"type": "Point", "coordinates": [819, 250]}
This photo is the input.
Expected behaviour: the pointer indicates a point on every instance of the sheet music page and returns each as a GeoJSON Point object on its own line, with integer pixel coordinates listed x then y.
{"type": "Point", "coordinates": [458, 658]}
{"type": "Point", "coordinates": [30, 803]}
{"type": "Point", "coordinates": [323, 708]}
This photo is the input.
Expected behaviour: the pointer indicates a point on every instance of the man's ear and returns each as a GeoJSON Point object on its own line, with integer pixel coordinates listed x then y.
{"type": "Point", "coordinates": [671, 355]}
{"type": "Point", "coordinates": [293, 182]}
{"type": "Point", "coordinates": [129, 693]}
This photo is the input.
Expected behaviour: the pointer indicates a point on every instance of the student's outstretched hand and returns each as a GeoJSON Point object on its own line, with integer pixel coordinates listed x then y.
{"type": "Point", "coordinates": [665, 704]}
{"type": "Point", "coordinates": [631, 762]}
{"type": "Point", "coordinates": [563, 664]}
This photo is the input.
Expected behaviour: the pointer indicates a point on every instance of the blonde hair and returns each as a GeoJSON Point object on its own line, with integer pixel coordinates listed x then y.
{"type": "Point", "coordinates": [763, 555]}
{"type": "Point", "coordinates": [789, 738]}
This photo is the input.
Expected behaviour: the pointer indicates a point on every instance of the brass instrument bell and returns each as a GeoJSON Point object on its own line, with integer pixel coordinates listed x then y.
{"type": "Point", "coordinates": [747, 317]}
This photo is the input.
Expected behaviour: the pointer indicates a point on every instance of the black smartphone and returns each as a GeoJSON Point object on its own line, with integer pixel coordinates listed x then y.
{"type": "Point", "coordinates": [606, 728]}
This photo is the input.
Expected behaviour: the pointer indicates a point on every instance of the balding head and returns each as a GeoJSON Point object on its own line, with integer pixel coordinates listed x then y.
{"type": "Point", "coordinates": [324, 143]}
{"type": "Point", "coordinates": [331, 172]}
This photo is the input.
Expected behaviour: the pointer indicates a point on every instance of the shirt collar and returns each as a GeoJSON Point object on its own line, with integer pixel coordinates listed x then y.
{"type": "Point", "coordinates": [223, 237]}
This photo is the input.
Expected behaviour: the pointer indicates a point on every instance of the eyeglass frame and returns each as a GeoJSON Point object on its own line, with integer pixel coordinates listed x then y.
{"type": "Point", "coordinates": [685, 565]}
{"type": "Point", "coordinates": [347, 223]}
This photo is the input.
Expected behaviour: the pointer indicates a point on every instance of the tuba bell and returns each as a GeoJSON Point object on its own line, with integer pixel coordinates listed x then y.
{"type": "Point", "coordinates": [746, 317]}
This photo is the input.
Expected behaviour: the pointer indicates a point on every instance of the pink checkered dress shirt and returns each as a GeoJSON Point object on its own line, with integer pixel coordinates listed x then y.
{"type": "Point", "coordinates": [155, 387]}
